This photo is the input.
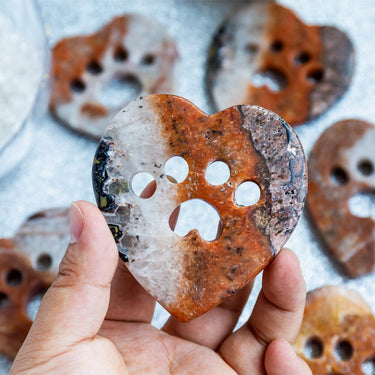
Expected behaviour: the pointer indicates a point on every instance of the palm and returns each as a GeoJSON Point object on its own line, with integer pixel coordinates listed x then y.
{"type": "Point", "coordinates": [97, 320]}
{"type": "Point", "coordinates": [147, 350]}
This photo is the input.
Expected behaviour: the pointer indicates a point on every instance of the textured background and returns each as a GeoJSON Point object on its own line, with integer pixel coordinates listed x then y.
{"type": "Point", "coordinates": [57, 170]}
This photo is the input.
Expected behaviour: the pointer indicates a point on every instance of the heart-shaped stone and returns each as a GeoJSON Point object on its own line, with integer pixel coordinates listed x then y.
{"type": "Point", "coordinates": [342, 166]}
{"type": "Point", "coordinates": [188, 275]}
{"type": "Point", "coordinates": [337, 332]}
{"type": "Point", "coordinates": [94, 76]}
{"type": "Point", "coordinates": [29, 264]}
{"type": "Point", "coordinates": [265, 55]}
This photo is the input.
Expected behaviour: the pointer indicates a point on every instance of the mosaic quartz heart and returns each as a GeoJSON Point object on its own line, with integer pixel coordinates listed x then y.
{"type": "Point", "coordinates": [263, 54]}
{"type": "Point", "coordinates": [94, 76]}
{"type": "Point", "coordinates": [188, 275]}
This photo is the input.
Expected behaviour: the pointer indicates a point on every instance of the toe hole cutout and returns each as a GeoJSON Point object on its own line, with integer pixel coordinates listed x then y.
{"type": "Point", "coordinates": [252, 48]}
{"type": "Point", "coordinates": [33, 304]}
{"type": "Point", "coordinates": [302, 58]}
{"type": "Point", "coordinates": [217, 173]}
{"type": "Point", "coordinates": [120, 90]}
{"type": "Point", "coordinates": [120, 54]}
{"type": "Point", "coordinates": [148, 60]}
{"type": "Point", "coordinates": [4, 300]}
{"type": "Point", "coordinates": [314, 348]}
{"type": "Point", "coordinates": [315, 75]}
{"type": "Point", "coordinates": [274, 79]}
{"type": "Point", "coordinates": [77, 85]}
{"type": "Point", "coordinates": [43, 262]}
{"type": "Point", "coordinates": [196, 214]}
{"type": "Point", "coordinates": [14, 278]}
{"type": "Point", "coordinates": [363, 205]}
{"type": "Point", "coordinates": [366, 167]}
{"type": "Point", "coordinates": [339, 176]}
{"type": "Point", "coordinates": [93, 67]}
{"type": "Point", "coordinates": [344, 350]}
{"type": "Point", "coordinates": [176, 169]}
{"type": "Point", "coordinates": [143, 185]}
{"type": "Point", "coordinates": [277, 46]}
{"type": "Point", "coordinates": [368, 366]}
{"type": "Point", "coordinates": [247, 194]}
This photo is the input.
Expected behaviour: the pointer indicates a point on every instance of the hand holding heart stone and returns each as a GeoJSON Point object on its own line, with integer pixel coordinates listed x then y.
{"type": "Point", "coordinates": [189, 275]}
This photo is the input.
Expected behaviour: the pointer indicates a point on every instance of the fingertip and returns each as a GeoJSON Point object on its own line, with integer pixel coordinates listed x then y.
{"type": "Point", "coordinates": [280, 359]}
{"type": "Point", "coordinates": [283, 282]}
{"type": "Point", "coordinates": [96, 237]}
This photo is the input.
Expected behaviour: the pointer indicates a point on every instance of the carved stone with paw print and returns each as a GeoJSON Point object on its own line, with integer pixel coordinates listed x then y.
{"type": "Point", "coordinates": [189, 275]}
{"type": "Point", "coordinates": [342, 191]}
{"type": "Point", "coordinates": [337, 335]}
{"type": "Point", "coordinates": [94, 76]}
{"type": "Point", "coordinates": [265, 55]}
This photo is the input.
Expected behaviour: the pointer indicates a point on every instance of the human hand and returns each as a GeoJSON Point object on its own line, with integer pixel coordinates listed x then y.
{"type": "Point", "coordinates": [95, 319]}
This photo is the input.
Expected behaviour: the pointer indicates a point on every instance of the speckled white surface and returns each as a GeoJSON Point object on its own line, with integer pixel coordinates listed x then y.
{"type": "Point", "coordinates": [57, 170]}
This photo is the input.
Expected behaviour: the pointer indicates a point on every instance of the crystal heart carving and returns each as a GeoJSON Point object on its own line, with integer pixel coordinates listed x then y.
{"type": "Point", "coordinates": [188, 275]}
{"type": "Point", "coordinates": [94, 76]}
{"type": "Point", "coordinates": [264, 54]}
{"type": "Point", "coordinates": [342, 166]}
{"type": "Point", "coordinates": [337, 332]}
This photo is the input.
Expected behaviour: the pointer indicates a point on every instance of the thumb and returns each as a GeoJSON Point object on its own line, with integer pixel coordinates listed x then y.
{"type": "Point", "coordinates": [280, 359]}
{"type": "Point", "coordinates": [75, 306]}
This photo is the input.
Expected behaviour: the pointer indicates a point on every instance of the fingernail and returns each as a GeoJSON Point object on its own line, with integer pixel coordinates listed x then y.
{"type": "Point", "coordinates": [76, 222]}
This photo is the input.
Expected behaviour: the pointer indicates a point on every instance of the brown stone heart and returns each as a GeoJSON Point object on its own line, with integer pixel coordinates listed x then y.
{"type": "Point", "coordinates": [28, 264]}
{"type": "Point", "coordinates": [188, 275]}
{"type": "Point", "coordinates": [341, 165]}
{"type": "Point", "coordinates": [265, 55]}
{"type": "Point", "coordinates": [337, 333]}
{"type": "Point", "coordinates": [94, 76]}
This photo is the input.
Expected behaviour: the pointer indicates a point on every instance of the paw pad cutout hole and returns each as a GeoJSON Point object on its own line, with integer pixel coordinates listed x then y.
{"type": "Point", "coordinates": [176, 169]}
{"type": "Point", "coordinates": [247, 194]}
{"type": "Point", "coordinates": [274, 79]}
{"type": "Point", "coordinates": [252, 48]}
{"type": "Point", "coordinates": [302, 58]}
{"type": "Point", "coordinates": [148, 59]}
{"type": "Point", "coordinates": [93, 67]}
{"type": "Point", "coordinates": [120, 54]}
{"type": "Point", "coordinates": [33, 305]}
{"type": "Point", "coordinates": [277, 46]}
{"type": "Point", "coordinates": [217, 173]}
{"type": "Point", "coordinates": [314, 348]}
{"type": "Point", "coordinates": [14, 278]}
{"type": "Point", "coordinates": [43, 262]}
{"type": "Point", "coordinates": [120, 90]}
{"type": "Point", "coordinates": [77, 85]}
{"type": "Point", "coordinates": [366, 167]}
{"type": "Point", "coordinates": [143, 185]}
{"type": "Point", "coordinates": [368, 366]}
{"type": "Point", "coordinates": [339, 176]}
{"type": "Point", "coordinates": [4, 300]}
{"type": "Point", "coordinates": [363, 204]}
{"type": "Point", "coordinates": [344, 350]}
{"type": "Point", "coordinates": [196, 214]}
{"type": "Point", "coordinates": [315, 75]}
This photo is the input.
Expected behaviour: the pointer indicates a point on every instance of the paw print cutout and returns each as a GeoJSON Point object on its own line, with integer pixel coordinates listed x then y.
{"type": "Point", "coordinates": [29, 264]}
{"type": "Point", "coordinates": [187, 274]}
{"type": "Point", "coordinates": [19, 283]}
{"type": "Point", "coordinates": [94, 76]}
{"type": "Point", "coordinates": [337, 333]}
{"type": "Point", "coordinates": [265, 55]}
{"type": "Point", "coordinates": [341, 173]}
